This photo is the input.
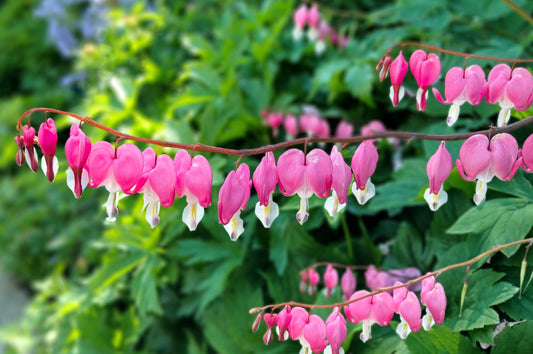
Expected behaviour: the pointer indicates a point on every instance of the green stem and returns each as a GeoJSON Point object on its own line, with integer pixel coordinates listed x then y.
{"type": "Point", "coordinates": [347, 235]}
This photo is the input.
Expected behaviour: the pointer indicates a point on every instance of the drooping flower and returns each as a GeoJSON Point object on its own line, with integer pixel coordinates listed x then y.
{"type": "Point", "coordinates": [194, 179]}
{"type": "Point", "coordinates": [157, 183]}
{"type": "Point", "coordinates": [364, 162]}
{"type": "Point", "coordinates": [438, 169]}
{"type": "Point", "coordinates": [20, 157]}
{"type": "Point", "coordinates": [232, 198]}
{"type": "Point", "coordinates": [265, 179]}
{"type": "Point", "coordinates": [299, 318]}
{"type": "Point", "coordinates": [47, 138]}
{"type": "Point", "coordinates": [117, 171]}
{"type": "Point", "coordinates": [300, 20]}
{"type": "Point", "coordinates": [527, 154]}
{"type": "Point", "coordinates": [510, 88]}
{"type": "Point", "coordinates": [313, 125]}
{"type": "Point", "coordinates": [376, 279]}
{"type": "Point", "coordinates": [433, 297]}
{"type": "Point", "coordinates": [341, 179]}
{"type": "Point", "coordinates": [271, 319]}
{"type": "Point", "coordinates": [313, 19]}
{"type": "Point", "coordinates": [336, 330]}
{"type": "Point", "coordinates": [425, 69]}
{"type": "Point", "coordinates": [30, 152]}
{"type": "Point", "coordinates": [274, 120]}
{"type": "Point", "coordinates": [314, 278]}
{"type": "Point", "coordinates": [331, 278]}
{"type": "Point", "coordinates": [461, 86]}
{"type": "Point", "coordinates": [305, 176]}
{"type": "Point", "coordinates": [482, 160]}
{"type": "Point", "coordinates": [77, 150]}
{"type": "Point", "coordinates": [284, 320]}
{"type": "Point", "coordinates": [384, 71]}
{"type": "Point", "coordinates": [398, 69]}
{"type": "Point", "coordinates": [407, 306]}
{"type": "Point", "coordinates": [372, 127]}
{"type": "Point", "coordinates": [344, 130]}
{"type": "Point", "coordinates": [369, 310]}
{"type": "Point", "coordinates": [291, 125]}
{"type": "Point", "coordinates": [348, 283]}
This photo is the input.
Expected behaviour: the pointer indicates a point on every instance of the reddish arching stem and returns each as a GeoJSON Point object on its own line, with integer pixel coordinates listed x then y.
{"type": "Point", "coordinates": [410, 282]}
{"type": "Point", "coordinates": [453, 52]}
{"type": "Point", "coordinates": [336, 265]}
{"type": "Point", "coordinates": [264, 149]}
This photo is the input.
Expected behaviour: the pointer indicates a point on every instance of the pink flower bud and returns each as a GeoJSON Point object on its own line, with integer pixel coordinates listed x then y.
{"type": "Point", "coordinates": [265, 179]}
{"type": "Point", "coordinates": [314, 333]}
{"type": "Point", "coordinates": [232, 198]}
{"type": "Point", "coordinates": [384, 72]}
{"type": "Point", "coordinates": [398, 69]}
{"type": "Point", "coordinates": [314, 278]}
{"type": "Point", "coordinates": [341, 179]}
{"type": "Point", "coordinates": [336, 330]}
{"type": "Point", "coordinates": [364, 162]}
{"type": "Point", "coordinates": [348, 283]}
{"type": "Point", "coordinates": [527, 154]}
{"type": "Point", "coordinates": [434, 297]}
{"type": "Point", "coordinates": [407, 306]}
{"type": "Point", "coordinates": [284, 320]}
{"type": "Point", "coordinates": [77, 149]}
{"type": "Point", "coordinates": [299, 318]}
{"type": "Point", "coordinates": [313, 16]}
{"type": "Point", "coordinates": [425, 69]}
{"type": "Point", "coordinates": [31, 153]}
{"type": "Point", "coordinates": [331, 278]}
{"type": "Point", "coordinates": [438, 169]}
{"type": "Point", "coordinates": [20, 158]}
{"type": "Point", "coordinates": [300, 16]}
{"type": "Point", "coordinates": [47, 138]}
{"type": "Point", "coordinates": [257, 322]}
{"type": "Point", "coordinates": [291, 125]}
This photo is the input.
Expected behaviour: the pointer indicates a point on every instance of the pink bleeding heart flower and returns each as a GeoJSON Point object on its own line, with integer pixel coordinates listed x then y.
{"type": "Point", "coordinates": [425, 69]}
{"type": "Point", "coordinates": [407, 306]}
{"type": "Point", "coordinates": [299, 318]}
{"type": "Point", "coordinates": [314, 335]}
{"type": "Point", "coordinates": [305, 176]}
{"type": "Point", "coordinates": [117, 171]}
{"type": "Point", "coordinates": [369, 310]}
{"type": "Point", "coordinates": [284, 320]}
{"type": "Point", "coordinates": [438, 169]}
{"type": "Point", "coordinates": [20, 158]}
{"type": "Point", "coordinates": [364, 162]}
{"type": "Point", "coordinates": [376, 279]}
{"type": "Point", "coordinates": [348, 283]}
{"type": "Point", "coordinates": [314, 278]}
{"type": "Point", "coordinates": [313, 19]}
{"type": "Point", "coordinates": [323, 31]}
{"type": "Point", "coordinates": [265, 180]}
{"type": "Point", "coordinates": [341, 179]}
{"type": "Point", "coordinates": [300, 18]}
{"type": "Point", "coordinates": [336, 330]}
{"type": "Point", "coordinates": [331, 278]}
{"type": "Point", "coordinates": [313, 125]}
{"type": "Point", "coordinates": [527, 154]}
{"type": "Point", "coordinates": [462, 86]}
{"type": "Point", "coordinates": [271, 320]}
{"type": "Point", "coordinates": [157, 183]}
{"type": "Point", "coordinates": [47, 138]}
{"type": "Point", "coordinates": [291, 125]}
{"type": "Point", "coordinates": [398, 69]}
{"type": "Point", "coordinates": [344, 130]}
{"type": "Point", "coordinates": [510, 88]}
{"type": "Point", "coordinates": [232, 198]}
{"type": "Point", "coordinates": [274, 120]}
{"type": "Point", "coordinates": [303, 281]}
{"type": "Point", "coordinates": [433, 297]}
{"type": "Point", "coordinates": [482, 160]}
{"type": "Point", "coordinates": [77, 150]}
{"type": "Point", "coordinates": [194, 179]}
{"type": "Point", "coordinates": [30, 152]}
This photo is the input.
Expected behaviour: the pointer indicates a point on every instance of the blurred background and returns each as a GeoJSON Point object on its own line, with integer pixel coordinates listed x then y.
{"type": "Point", "coordinates": [205, 72]}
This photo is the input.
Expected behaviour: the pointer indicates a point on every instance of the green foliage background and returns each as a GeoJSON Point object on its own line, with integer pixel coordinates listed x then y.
{"type": "Point", "coordinates": [202, 71]}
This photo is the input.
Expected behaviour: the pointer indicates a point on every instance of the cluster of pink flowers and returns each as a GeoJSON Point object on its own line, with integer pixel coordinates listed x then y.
{"type": "Point", "coordinates": [480, 159]}
{"type": "Point", "coordinates": [319, 31]}
{"type": "Point", "coordinates": [510, 88]}
{"type": "Point", "coordinates": [318, 336]}
{"type": "Point", "coordinates": [309, 122]}
{"type": "Point", "coordinates": [161, 179]}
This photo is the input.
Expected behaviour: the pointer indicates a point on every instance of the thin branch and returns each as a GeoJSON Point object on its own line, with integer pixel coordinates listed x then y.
{"type": "Point", "coordinates": [410, 282]}
{"type": "Point", "coordinates": [283, 145]}
{"type": "Point", "coordinates": [519, 11]}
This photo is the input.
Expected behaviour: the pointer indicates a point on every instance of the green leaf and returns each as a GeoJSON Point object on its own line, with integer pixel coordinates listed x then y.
{"type": "Point", "coordinates": [484, 291]}
{"type": "Point", "coordinates": [498, 221]}
{"type": "Point", "coordinates": [519, 186]}
{"type": "Point", "coordinates": [144, 288]}
{"type": "Point", "coordinates": [359, 80]}
{"type": "Point", "coordinates": [516, 339]}
{"type": "Point", "coordinates": [114, 270]}
{"type": "Point", "coordinates": [439, 339]}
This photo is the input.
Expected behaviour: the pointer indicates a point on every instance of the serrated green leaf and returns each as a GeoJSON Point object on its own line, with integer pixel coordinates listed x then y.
{"type": "Point", "coordinates": [498, 221]}
{"type": "Point", "coordinates": [515, 339]}
{"type": "Point", "coordinates": [439, 339]}
{"type": "Point", "coordinates": [144, 288]}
